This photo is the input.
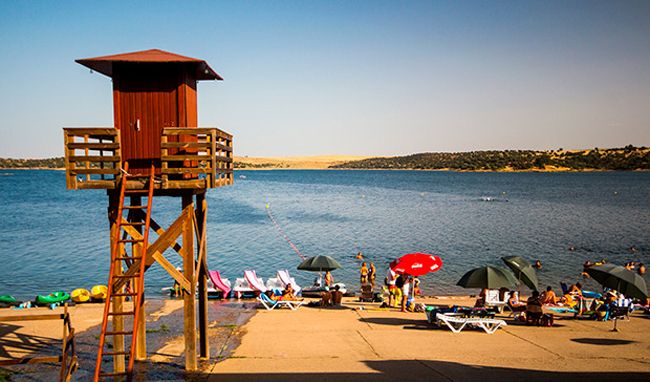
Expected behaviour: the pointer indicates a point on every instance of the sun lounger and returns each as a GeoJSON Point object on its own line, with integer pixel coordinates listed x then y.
{"type": "Point", "coordinates": [457, 323]}
{"type": "Point", "coordinates": [219, 283]}
{"type": "Point", "coordinates": [256, 283]}
{"type": "Point", "coordinates": [271, 304]}
{"type": "Point", "coordinates": [284, 277]}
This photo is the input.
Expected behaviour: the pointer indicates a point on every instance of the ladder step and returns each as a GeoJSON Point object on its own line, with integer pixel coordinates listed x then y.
{"type": "Point", "coordinates": [128, 258]}
{"type": "Point", "coordinates": [126, 276]}
{"type": "Point", "coordinates": [118, 333]}
{"type": "Point", "coordinates": [130, 313]}
{"type": "Point", "coordinates": [124, 294]}
{"type": "Point", "coordinates": [133, 223]}
{"type": "Point", "coordinates": [135, 207]}
{"type": "Point", "coordinates": [130, 241]}
{"type": "Point", "coordinates": [116, 353]}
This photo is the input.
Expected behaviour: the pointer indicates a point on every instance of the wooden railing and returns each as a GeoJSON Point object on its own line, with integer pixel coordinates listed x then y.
{"type": "Point", "coordinates": [92, 157]}
{"type": "Point", "coordinates": [191, 158]}
{"type": "Point", "coordinates": [196, 158]}
{"type": "Point", "coordinates": [68, 357]}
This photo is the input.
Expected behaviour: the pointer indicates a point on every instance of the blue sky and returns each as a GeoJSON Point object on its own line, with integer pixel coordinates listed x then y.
{"type": "Point", "coordinates": [345, 77]}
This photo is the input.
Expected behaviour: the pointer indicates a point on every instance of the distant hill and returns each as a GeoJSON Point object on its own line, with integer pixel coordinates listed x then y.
{"type": "Point", "coordinates": [32, 163]}
{"type": "Point", "coordinates": [625, 158]}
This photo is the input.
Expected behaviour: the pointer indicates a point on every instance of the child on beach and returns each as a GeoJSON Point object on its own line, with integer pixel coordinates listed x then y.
{"type": "Point", "coordinates": [329, 280]}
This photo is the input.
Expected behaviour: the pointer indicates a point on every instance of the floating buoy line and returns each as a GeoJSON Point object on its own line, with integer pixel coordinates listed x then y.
{"type": "Point", "coordinates": [281, 231]}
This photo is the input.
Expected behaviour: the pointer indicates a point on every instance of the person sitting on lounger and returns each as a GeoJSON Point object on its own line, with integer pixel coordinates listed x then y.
{"type": "Point", "coordinates": [534, 310]}
{"type": "Point", "coordinates": [575, 289]}
{"type": "Point", "coordinates": [549, 296]}
{"type": "Point", "coordinates": [288, 293]}
{"type": "Point", "coordinates": [515, 304]}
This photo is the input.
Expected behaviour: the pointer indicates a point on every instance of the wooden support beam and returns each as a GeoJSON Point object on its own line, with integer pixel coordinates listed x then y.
{"type": "Point", "coordinates": [161, 244]}
{"type": "Point", "coordinates": [200, 220]}
{"type": "Point", "coordinates": [189, 299]}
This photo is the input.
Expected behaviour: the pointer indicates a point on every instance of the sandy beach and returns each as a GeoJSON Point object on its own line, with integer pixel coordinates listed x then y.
{"type": "Point", "coordinates": [357, 342]}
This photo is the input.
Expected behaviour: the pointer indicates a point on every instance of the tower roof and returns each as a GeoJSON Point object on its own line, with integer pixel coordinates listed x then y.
{"type": "Point", "coordinates": [104, 64]}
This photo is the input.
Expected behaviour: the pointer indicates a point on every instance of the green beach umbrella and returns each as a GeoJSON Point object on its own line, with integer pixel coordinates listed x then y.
{"type": "Point", "coordinates": [618, 278]}
{"type": "Point", "coordinates": [523, 270]}
{"type": "Point", "coordinates": [319, 263]}
{"type": "Point", "coordinates": [488, 277]}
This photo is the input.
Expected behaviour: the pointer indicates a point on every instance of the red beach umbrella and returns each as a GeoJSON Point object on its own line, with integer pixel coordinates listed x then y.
{"type": "Point", "coordinates": [416, 264]}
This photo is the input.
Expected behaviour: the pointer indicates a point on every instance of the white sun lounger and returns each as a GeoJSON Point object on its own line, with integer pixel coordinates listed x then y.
{"type": "Point", "coordinates": [270, 304]}
{"type": "Point", "coordinates": [457, 324]}
{"type": "Point", "coordinates": [284, 277]}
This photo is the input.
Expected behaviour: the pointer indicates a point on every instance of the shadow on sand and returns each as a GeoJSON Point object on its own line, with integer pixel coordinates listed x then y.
{"type": "Point", "coordinates": [417, 370]}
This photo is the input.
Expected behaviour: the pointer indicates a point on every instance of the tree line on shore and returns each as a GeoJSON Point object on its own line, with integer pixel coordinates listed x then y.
{"type": "Point", "coordinates": [625, 158]}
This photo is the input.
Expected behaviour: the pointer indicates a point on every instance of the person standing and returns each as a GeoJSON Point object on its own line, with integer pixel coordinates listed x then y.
{"type": "Point", "coordinates": [364, 273]}
{"type": "Point", "coordinates": [406, 288]}
{"type": "Point", "coordinates": [372, 272]}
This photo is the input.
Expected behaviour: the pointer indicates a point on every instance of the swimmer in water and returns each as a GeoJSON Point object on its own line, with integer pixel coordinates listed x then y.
{"type": "Point", "coordinates": [538, 264]}
{"type": "Point", "coordinates": [359, 256]}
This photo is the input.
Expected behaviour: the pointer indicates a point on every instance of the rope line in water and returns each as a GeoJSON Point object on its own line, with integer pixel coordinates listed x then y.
{"type": "Point", "coordinates": [281, 231]}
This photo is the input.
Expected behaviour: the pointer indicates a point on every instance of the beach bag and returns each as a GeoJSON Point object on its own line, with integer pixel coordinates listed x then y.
{"type": "Point", "coordinates": [546, 320]}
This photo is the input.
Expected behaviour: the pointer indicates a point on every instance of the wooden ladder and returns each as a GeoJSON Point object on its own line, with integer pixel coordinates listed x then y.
{"type": "Point", "coordinates": [116, 276]}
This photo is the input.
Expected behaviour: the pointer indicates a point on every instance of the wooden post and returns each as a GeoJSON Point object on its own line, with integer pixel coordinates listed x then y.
{"type": "Point", "coordinates": [141, 337]}
{"type": "Point", "coordinates": [119, 364]}
{"type": "Point", "coordinates": [201, 212]}
{"type": "Point", "coordinates": [189, 299]}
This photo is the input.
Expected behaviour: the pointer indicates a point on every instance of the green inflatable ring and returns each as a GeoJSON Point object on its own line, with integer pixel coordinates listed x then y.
{"type": "Point", "coordinates": [7, 299]}
{"type": "Point", "coordinates": [52, 298]}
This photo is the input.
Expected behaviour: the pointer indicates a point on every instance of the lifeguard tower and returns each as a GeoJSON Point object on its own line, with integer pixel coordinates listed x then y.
{"type": "Point", "coordinates": [155, 149]}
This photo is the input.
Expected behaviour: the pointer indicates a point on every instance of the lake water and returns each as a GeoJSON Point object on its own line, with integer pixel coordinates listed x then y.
{"type": "Point", "coordinates": [56, 239]}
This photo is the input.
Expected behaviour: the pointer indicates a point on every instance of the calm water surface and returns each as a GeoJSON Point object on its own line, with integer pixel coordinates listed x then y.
{"type": "Point", "coordinates": [55, 239]}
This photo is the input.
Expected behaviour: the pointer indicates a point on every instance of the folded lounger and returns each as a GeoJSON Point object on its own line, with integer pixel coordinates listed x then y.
{"type": "Point", "coordinates": [284, 277]}
{"type": "Point", "coordinates": [456, 324]}
{"type": "Point", "coordinates": [222, 284]}
{"type": "Point", "coordinates": [274, 284]}
{"type": "Point", "coordinates": [241, 287]}
{"type": "Point", "coordinates": [255, 282]}
{"type": "Point", "coordinates": [270, 304]}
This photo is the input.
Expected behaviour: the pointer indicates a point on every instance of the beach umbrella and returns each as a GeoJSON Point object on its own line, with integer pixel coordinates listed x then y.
{"type": "Point", "coordinates": [416, 264]}
{"type": "Point", "coordinates": [488, 277]}
{"type": "Point", "coordinates": [618, 278]}
{"type": "Point", "coordinates": [523, 270]}
{"type": "Point", "coordinates": [319, 263]}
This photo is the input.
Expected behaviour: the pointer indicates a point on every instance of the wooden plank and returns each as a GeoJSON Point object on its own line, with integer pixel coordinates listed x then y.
{"type": "Point", "coordinates": [171, 269]}
{"type": "Point", "coordinates": [30, 360]}
{"type": "Point", "coordinates": [93, 146]}
{"type": "Point", "coordinates": [185, 145]}
{"type": "Point", "coordinates": [184, 157]}
{"type": "Point", "coordinates": [99, 131]}
{"type": "Point", "coordinates": [94, 158]}
{"type": "Point", "coordinates": [36, 317]}
{"type": "Point", "coordinates": [96, 184]}
{"type": "Point", "coordinates": [195, 131]}
{"type": "Point", "coordinates": [94, 171]}
{"type": "Point", "coordinates": [187, 170]}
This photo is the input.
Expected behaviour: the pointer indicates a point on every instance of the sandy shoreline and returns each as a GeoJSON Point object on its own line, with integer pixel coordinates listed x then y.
{"type": "Point", "coordinates": [358, 342]}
